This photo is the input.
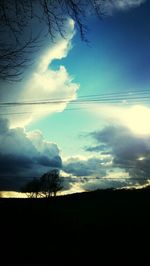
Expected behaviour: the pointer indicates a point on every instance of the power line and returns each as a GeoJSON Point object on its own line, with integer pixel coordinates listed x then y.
{"type": "Point", "coordinates": [89, 101]}
{"type": "Point", "coordinates": [85, 104]}
{"type": "Point", "coordinates": [107, 96]}
{"type": "Point", "coordinates": [120, 98]}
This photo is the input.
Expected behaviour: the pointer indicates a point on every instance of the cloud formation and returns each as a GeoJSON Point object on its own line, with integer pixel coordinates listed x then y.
{"type": "Point", "coordinates": [109, 6]}
{"type": "Point", "coordinates": [135, 117]}
{"type": "Point", "coordinates": [129, 151]}
{"type": "Point", "coordinates": [103, 183]}
{"type": "Point", "coordinates": [24, 155]}
{"type": "Point", "coordinates": [84, 167]}
{"type": "Point", "coordinates": [43, 84]}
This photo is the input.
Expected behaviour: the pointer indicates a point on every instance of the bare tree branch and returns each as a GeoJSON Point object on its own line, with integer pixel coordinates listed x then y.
{"type": "Point", "coordinates": [17, 37]}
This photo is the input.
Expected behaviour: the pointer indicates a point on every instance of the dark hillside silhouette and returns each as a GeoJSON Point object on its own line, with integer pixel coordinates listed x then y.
{"type": "Point", "coordinates": [75, 226]}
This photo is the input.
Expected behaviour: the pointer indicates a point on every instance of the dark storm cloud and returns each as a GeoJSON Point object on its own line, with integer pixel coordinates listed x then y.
{"type": "Point", "coordinates": [11, 165]}
{"type": "Point", "coordinates": [129, 151]}
{"type": "Point", "coordinates": [102, 148]}
{"type": "Point", "coordinates": [45, 161]}
{"type": "Point", "coordinates": [21, 158]}
{"type": "Point", "coordinates": [80, 167]}
{"type": "Point", "coordinates": [123, 143]}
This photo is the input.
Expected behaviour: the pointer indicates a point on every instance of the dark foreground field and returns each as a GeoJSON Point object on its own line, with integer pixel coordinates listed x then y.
{"type": "Point", "coordinates": [103, 225]}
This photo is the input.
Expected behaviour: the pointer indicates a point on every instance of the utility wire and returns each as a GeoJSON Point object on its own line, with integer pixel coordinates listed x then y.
{"type": "Point", "coordinates": [92, 100]}
{"type": "Point", "coordinates": [120, 98]}
{"type": "Point", "coordinates": [115, 95]}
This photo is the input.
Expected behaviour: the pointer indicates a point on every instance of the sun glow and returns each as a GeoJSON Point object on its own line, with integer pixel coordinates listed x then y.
{"type": "Point", "coordinates": [141, 158]}
{"type": "Point", "coordinates": [137, 119]}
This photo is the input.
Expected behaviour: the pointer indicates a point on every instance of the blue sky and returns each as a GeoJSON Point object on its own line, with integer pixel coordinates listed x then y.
{"type": "Point", "coordinates": [101, 140]}
{"type": "Point", "coordinates": [117, 57]}
{"type": "Point", "coordinates": [115, 60]}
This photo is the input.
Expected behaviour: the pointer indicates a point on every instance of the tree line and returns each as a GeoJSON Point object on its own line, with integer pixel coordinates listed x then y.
{"type": "Point", "coordinates": [46, 186]}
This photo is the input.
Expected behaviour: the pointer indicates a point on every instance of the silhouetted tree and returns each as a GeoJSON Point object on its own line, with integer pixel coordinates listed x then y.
{"type": "Point", "coordinates": [17, 31]}
{"type": "Point", "coordinates": [47, 186]}
{"type": "Point", "coordinates": [32, 188]}
{"type": "Point", "coordinates": [51, 183]}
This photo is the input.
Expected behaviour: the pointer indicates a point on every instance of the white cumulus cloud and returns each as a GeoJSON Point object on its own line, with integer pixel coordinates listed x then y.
{"type": "Point", "coordinates": [45, 84]}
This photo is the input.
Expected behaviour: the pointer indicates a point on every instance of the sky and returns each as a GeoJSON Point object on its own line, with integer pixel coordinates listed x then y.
{"type": "Point", "coordinates": [93, 120]}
